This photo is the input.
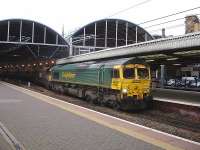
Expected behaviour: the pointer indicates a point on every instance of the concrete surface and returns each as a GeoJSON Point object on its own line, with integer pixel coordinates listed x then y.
{"type": "Point", "coordinates": [38, 125]}
{"type": "Point", "coordinates": [177, 96]}
{"type": "Point", "coordinates": [4, 144]}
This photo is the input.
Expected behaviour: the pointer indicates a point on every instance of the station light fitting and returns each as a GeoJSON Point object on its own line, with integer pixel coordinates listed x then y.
{"type": "Point", "coordinates": [52, 62]}
{"type": "Point", "coordinates": [192, 52]}
{"type": "Point", "coordinates": [0, 67]}
{"type": "Point", "coordinates": [150, 60]}
{"type": "Point", "coordinates": [175, 58]}
{"type": "Point", "coordinates": [23, 65]}
{"type": "Point", "coordinates": [154, 56]}
{"type": "Point", "coordinates": [46, 63]}
{"type": "Point", "coordinates": [16, 55]}
{"type": "Point", "coordinates": [29, 65]}
{"type": "Point", "coordinates": [34, 64]}
{"type": "Point", "coordinates": [177, 64]}
{"type": "Point", "coordinates": [40, 64]}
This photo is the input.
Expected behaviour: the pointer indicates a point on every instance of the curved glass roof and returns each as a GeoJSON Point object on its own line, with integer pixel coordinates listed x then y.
{"type": "Point", "coordinates": [23, 39]}
{"type": "Point", "coordinates": [107, 33]}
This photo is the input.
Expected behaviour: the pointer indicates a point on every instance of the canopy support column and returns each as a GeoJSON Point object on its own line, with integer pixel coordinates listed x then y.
{"type": "Point", "coordinates": [162, 75]}
{"type": "Point", "coordinates": [116, 33]}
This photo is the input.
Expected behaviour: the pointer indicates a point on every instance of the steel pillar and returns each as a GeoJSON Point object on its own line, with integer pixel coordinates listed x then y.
{"type": "Point", "coordinates": [136, 34]}
{"type": "Point", "coordinates": [145, 36]}
{"type": "Point", "coordinates": [71, 47]}
{"type": "Point", "coordinates": [84, 37]}
{"type": "Point", "coordinates": [8, 31]}
{"type": "Point", "coordinates": [45, 32]}
{"type": "Point", "coordinates": [162, 75]}
{"type": "Point", "coordinates": [106, 33]}
{"type": "Point", "coordinates": [95, 35]}
{"type": "Point", "coordinates": [126, 33]}
{"type": "Point", "coordinates": [116, 38]}
{"type": "Point", "coordinates": [57, 39]}
{"type": "Point", "coordinates": [33, 32]}
{"type": "Point", "coordinates": [20, 36]}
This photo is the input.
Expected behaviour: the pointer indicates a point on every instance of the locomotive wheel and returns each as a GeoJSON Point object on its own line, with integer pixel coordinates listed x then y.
{"type": "Point", "coordinates": [116, 105]}
{"type": "Point", "coordinates": [101, 102]}
{"type": "Point", "coordinates": [89, 99]}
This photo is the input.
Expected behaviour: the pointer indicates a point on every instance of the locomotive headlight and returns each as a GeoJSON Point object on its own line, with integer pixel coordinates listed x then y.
{"type": "Point", "coordinates": [124, 91]}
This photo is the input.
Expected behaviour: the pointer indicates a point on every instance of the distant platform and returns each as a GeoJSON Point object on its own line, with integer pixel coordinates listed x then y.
{"type": "Point", "coordinates": [190, 98]}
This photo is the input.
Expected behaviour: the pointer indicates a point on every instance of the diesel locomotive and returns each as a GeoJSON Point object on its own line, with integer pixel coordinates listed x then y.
{"type": "Point", "coordinates": [121, 83]}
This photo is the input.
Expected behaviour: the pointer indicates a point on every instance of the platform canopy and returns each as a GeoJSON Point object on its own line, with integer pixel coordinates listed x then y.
{"type": "Point", "coordinates": [106, 33]}
{"type": "Point", "coordinates": [22, 40]}
{"type": "Point", "coordinates": [175, 50]}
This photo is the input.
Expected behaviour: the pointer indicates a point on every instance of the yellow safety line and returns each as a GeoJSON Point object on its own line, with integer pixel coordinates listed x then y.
{"type": "Point", "coordinates": [121, 129]}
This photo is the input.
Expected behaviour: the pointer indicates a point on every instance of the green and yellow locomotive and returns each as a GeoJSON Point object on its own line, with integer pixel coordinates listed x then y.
{"type": "Point", "coordinates": [122, 83]}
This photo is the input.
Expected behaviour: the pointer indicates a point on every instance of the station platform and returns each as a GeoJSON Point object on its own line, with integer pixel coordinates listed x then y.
{"type": "Point", "coordinates": [4, 145]}
{"type": "Point", "coordinates": [190, 98]}
{"type": "Point", "coordinates": [40, 122]}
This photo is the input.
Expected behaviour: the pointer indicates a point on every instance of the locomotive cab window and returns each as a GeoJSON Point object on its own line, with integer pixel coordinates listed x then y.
{"type": "Point", "coordinates": [143, 73]}
{"type": "Point", "coordinates": [115, 73]}
{"type": "Point", "coordinates": [129, 73]}
{"type": "Point", "coordinates": [56, 75]}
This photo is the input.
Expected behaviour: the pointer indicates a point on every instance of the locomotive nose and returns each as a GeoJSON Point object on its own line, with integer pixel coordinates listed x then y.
{"type": "Point", "coordinates": [137, 91]}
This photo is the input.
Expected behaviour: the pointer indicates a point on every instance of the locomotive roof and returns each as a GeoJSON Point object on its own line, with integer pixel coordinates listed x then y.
{"type": "Point", "coordinates": [98, 64]}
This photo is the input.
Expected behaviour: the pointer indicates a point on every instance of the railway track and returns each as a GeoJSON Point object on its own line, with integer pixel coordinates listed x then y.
{"type": "Point", "coordinates": [178, 123]}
